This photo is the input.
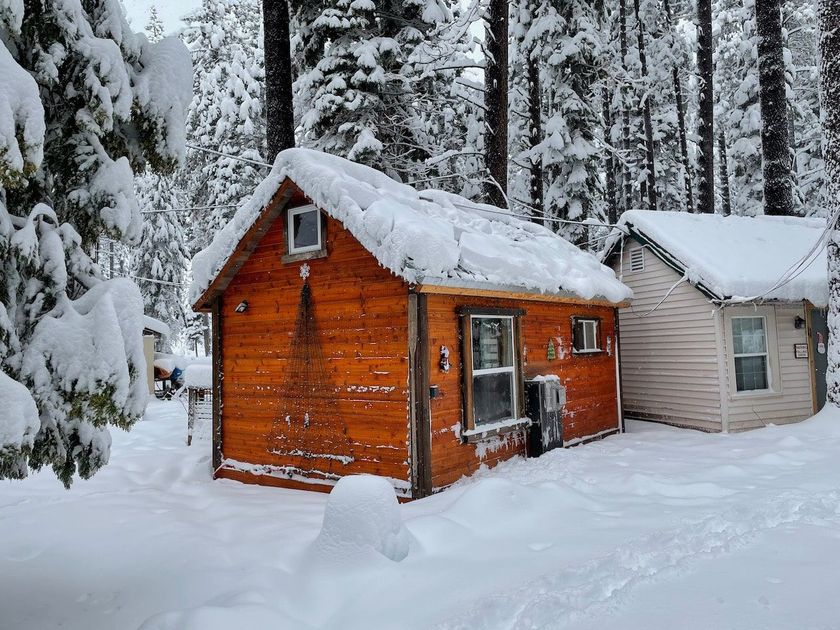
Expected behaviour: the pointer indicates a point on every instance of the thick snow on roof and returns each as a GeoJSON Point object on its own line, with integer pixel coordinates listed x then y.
{"type": "Point", "coordinates": [199, 375]}
{"type": "Point", "coordinates": [740, 257]}
{"type": "Point", "coordinates": [155, 325]}
{"type": "Point", "coordinates": [422, 236]}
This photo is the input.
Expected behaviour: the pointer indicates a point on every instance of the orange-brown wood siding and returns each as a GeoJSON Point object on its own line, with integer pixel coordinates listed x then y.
{"type": "Point", "coordinates": [590, 380]}
{"type": "Point", "coordinates": [362, 320]}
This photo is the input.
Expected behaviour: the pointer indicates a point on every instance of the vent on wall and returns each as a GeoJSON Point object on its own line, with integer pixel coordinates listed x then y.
{"type": "Point", "coordinates": [637, 260]}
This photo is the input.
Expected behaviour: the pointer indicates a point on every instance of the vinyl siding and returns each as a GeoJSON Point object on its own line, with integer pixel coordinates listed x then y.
{"type": "Point", "coordinates": [669, 358]}
{"type": "Point", "coordinates": [793, 401]}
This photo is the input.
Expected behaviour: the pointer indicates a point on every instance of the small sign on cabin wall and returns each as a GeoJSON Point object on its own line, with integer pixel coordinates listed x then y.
{"type": "Point", "coordinates": [800, 350]}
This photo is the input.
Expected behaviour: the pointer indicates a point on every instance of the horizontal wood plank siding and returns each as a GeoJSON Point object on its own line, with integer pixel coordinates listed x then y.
{"type": "Point", "coordinates": [794, 402]}
{"type": "Point", "coordinates": [669, 362]}
{"type": "Point", "coordinates": [361, 316]}
{"type": "Point", "coordinates": [590, 380]}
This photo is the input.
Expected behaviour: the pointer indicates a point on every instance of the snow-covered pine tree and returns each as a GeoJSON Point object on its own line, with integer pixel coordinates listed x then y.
{"type": "Point", "coordinates": [775, 130]}
{"type": "Point", "coordinates": [82, 100]}
{"type": "Point", "coordinates": [159, 263]}
{"type": "Point", "coordinates": [154, 27]}
{"type": "Point", "coordinates": [225, 115]}
{"type": "Point", "coordinates": [829, 21]}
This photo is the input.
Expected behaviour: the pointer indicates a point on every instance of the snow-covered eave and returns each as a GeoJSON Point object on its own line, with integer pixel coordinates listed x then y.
{"type": "Point", "coordinates": [477, 288]}
{"type": "Point", "coordinates": [155, 325]}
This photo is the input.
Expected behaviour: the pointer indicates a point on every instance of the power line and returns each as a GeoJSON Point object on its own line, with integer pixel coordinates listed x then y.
{"type": "Point", "coordinates": [228, 155]}
{"type": "Point", "coordinates": [164, 282]}
{"type": "Point", "coordinates": [188, 209]}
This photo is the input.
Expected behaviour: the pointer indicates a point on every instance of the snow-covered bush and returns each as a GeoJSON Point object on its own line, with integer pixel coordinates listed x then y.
{"type": "Point", "coordinates": [83, 101]}
{"type": "Point", "coordinates": [362, 513]}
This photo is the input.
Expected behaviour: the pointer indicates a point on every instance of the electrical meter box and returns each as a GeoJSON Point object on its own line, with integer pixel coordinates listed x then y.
{"type": "Point", "coordinates": [544, 402]}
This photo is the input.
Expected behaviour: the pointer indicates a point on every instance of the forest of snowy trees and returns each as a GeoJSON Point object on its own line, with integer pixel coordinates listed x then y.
{"type": "Point", "coordinates": [601, 106]}
{"type": "Point", "coordinates": [568, 112]}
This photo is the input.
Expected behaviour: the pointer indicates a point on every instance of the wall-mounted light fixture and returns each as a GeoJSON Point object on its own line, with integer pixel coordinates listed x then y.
{"type": "Point", "coordinates": [798, 322]}
{"type": "Point", "coordinates": [242, 306]}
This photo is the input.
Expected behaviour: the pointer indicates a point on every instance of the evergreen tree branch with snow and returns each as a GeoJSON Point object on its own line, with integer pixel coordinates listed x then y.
{"type": "Point", "coordinates": [83, 101]}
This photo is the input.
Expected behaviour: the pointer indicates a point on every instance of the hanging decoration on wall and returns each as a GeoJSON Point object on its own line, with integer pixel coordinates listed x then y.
{"type": "Point", "coordinates": [444, 359]}
{"type": "Point", "coordinates": [308, 423]}
{"type": "Point", "coordinates": [552, 354]}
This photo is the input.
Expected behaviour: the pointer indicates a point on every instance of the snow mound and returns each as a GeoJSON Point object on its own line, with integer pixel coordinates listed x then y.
{"type": "Point", "coordinates": [362, 513]}
{"type": "Point", "coordinates": [739, 257]}
{"type": "Point", "coordinates": [428, 236]}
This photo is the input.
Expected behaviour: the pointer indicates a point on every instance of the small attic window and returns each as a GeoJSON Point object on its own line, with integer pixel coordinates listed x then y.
{"type": "Point", "coordinates": [304, 229]}
{"type": "Point", "coordinates": [637, 260]}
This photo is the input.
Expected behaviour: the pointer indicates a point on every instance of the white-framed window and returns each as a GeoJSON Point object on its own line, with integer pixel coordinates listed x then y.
{"type": "Point", "coordinates": [304, 229]}
{"type": "Point", "coordinates": [494, 373]}
{"type": "Point", "coordinates": [586, 335]}
{"type": "Point", "coordinates": [637, 260]}
{"type": "Point", "coordinates": [749, 350]}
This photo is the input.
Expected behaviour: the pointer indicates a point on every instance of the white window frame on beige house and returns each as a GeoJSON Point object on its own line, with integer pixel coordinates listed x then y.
{"type": "Point", "coordinates": [768, 315]}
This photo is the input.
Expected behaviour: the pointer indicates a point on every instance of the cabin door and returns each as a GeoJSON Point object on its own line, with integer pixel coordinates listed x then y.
{"type": "Point", "coordinates": [818, 350]}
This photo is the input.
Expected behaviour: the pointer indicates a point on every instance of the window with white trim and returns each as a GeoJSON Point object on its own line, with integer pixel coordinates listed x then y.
{"type": "Point", "coordinates": [494, 377]}
{"type": "Point", "coordinates": [304, 229]}
{"type": "Point", "coordinates": [586, 335]}
{"type": "Point", "coordinates": [637, 260]}
{"type": "Point", "coordinates": [749, 349]}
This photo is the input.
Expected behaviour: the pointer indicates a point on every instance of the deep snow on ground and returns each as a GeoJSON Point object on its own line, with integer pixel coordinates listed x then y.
{"type": "Point", "coordinates": [657, 528]}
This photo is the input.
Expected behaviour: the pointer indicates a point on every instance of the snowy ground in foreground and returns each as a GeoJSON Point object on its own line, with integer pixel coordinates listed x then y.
{"type": "Point", "coordinates": [658, 528]}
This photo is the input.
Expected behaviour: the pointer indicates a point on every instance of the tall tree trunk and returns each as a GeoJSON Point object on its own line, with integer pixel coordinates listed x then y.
{"type": "Point", "coordinates": [829, 18]}
{"type": "Point", "coordinates": [627, 184]}
{"type": "Point", "coordinates": [496, 103]}
{"type": "Point", "coordinates": [534, 139]}
{"type": "Point", "coordinates": [725, 194]}
{"type": "Point", "coordinates": [612, 202]}
{"type": "Point", "coordinates": [683, 132]}
{"type": "Point", "coordinates": [706, 129]}
{"type": "Point", "coordinates": [279, 111]}
{"type": "Point", "coordinates": [775, 141]}
{"type": "Point", "coordinates": [650, 163]}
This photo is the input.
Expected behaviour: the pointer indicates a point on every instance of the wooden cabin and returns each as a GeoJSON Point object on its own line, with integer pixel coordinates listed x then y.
{"type": "Point", "coordinates": [727, 330]}
{"type": "Point", "coordinates": [363, 326]}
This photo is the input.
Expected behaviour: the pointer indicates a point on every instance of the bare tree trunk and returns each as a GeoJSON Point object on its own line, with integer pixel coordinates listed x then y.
{"type": "Point", "coordinates": [775, 141]}
{"type": "Point", "coordinates": [627, 185]}
{"type": "Point", "coordinates": [496, 103]}
{"type": "Point", "coordinates": [683, 133]}
{"type": "Point", "coordinates": [725, 194]}
{"type": "Point", "coordinates": [534, 139]}
{"type": "Point", "coordinates": [829, 18]}
{"type": "Point", "coordinates": [280, 118]}
{"type": "Point", "coordinates": [205, 320]}
{"type": "Point", "coordinates": [706, 130]}
{"type": "Point", "coordinates": [646, 113]}
{"type": "Point", "coordinates": [612, 202]}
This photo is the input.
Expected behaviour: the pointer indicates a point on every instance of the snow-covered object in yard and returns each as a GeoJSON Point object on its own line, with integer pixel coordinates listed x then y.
{"type": "Point", "coordinates": [199, 376]}
{"type": "Point", "coordinates": [17, 431]}
{"type": "Point", "coordinates": [738, 257]}
{"type": "Point", "coordinates": [362, 513]}
{"type": "Point", "coordinates": [429, 236]}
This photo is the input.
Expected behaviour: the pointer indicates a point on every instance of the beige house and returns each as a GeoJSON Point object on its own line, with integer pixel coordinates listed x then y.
{"type": "Point", "coordinates": [727, 328]}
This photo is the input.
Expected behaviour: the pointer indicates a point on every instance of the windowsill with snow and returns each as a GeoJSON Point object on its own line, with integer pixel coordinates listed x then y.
{"type": "Point", "coordinates": [493, 429]}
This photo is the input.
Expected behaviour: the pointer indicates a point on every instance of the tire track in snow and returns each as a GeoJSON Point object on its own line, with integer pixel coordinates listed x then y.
{"type": "Point", "coordinates": [554, 599]}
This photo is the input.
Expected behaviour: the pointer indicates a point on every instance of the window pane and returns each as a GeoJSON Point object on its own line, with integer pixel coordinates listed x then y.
{"type": "Point", "coordinates": [748, 335]}
{"type": "Point", "coordinates": [586, 334]}
{"type": "Point", "coordinates": [305, 229]}
{"type": "Point", "coordinates": [492, 342]}
{"type": "Point", "coordinates": [750, 373]}
{"type": "Point", "coordinates": [492, 397]}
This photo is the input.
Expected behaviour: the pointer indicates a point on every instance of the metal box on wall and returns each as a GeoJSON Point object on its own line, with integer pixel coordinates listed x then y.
{"type": "Point", "coordinates": [544, 402]}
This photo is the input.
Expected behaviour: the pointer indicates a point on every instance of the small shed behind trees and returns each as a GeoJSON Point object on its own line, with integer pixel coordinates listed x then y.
{"type": "Point", "coordinates": [727, 330]}
{"type": "Point", "coordinates": [363, 326]}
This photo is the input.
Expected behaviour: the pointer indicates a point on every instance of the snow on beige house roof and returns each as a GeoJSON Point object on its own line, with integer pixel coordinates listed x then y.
{"type": "Point", "coordinates": [424, 237]}
{"type": "Point", "coordinates": [733, 257]}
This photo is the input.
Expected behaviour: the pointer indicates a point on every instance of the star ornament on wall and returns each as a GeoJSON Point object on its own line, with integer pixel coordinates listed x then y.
{"type": "Point", "coordinates": [304, 271]}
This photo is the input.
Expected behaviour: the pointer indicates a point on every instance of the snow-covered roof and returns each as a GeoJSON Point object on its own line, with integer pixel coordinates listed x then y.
{"type": "Point", "coordinates": [424, 237]}
{"type": "Point", "coordinates": [199, 375]}
{"type": "Point", "coordinates": [740, 257]}
{"type": "Point", "coordinates": [155, 325]}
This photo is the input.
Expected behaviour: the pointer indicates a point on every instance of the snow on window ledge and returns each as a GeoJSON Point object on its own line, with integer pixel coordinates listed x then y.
{"type": "Point", "coordinates": [484, 431]}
